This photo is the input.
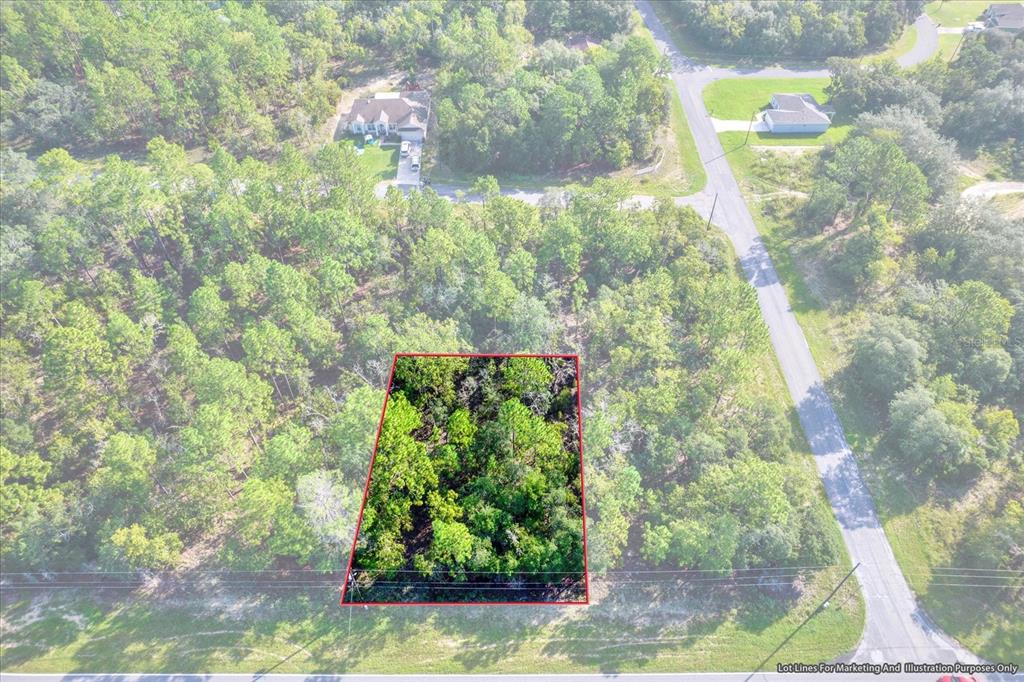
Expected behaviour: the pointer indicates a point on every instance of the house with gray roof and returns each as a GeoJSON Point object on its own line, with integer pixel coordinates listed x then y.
{"type": "Point", "coordinates": [1006, 16]}
{"type": "Point", "coordinates": [390, 113]}
{"type": "Point", "coordinates": [797, 113]}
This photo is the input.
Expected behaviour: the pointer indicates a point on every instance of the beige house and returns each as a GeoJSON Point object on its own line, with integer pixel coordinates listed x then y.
{"type": "Point", "coordinates": [390, 113]}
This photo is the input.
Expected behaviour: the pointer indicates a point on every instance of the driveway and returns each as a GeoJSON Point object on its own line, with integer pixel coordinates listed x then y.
{"type": "Point", "coordinates": [896, 629]}
{"type": "Point", "coordinates": [406, 176]}
{"type": "Point", "coordinates": [725, 126]}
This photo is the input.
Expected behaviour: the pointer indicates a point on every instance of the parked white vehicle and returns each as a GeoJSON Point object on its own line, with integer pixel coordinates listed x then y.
{"type": "Point", "coordinates": [414, 165]}
{"type": "Point", "coordinates": [406, 146]}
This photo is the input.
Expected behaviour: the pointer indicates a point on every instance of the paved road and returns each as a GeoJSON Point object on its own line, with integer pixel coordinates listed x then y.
{"type": "Point", "coordinates": [896, 628]}
{"type": "Point", "coordinates": [537, 677]}
{"type": "Point", "coordinates": [987, 190]}
{"type": "Point", "coordinates": [926, 45]}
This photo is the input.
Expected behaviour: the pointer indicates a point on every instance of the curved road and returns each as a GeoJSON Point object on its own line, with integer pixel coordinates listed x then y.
{"type": "Point", "coordinates": [895, 628]}
{"type": "Point", "coordinates": [987, 190]}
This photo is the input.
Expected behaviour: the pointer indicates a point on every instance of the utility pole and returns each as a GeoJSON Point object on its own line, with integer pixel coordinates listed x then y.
{"type": "Point", "coordinates": [821, 606]}
{"type": "Point", "coordinates": [832, 593]}
{"type": "Point", "coordinates": [963, 34]}
{"type": "Point", "coordinates": [712, 214]}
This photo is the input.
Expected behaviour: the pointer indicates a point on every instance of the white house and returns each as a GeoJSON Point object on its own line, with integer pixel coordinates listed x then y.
{"type": "Point", "coordinates": [1007, 16]}
{"type": "Point", "coordinates": [390, 113]}
{"type": "Point", "coordinates": [797, 113]}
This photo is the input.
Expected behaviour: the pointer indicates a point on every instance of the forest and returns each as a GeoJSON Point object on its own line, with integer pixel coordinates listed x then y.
{"type": "Point", "coordinates": [196, 341]}
{"type": "Point", "coordinates": [599, 107]}
{"type": "Point", "coordinates": [195, 353]}
{"type": "Point", "coordinates": [92, 73]}
{"type": "Point", "coordinates": [475, 491]}
{"type": "Point", "coordinates": [810, 28]}
{"type": "Point", "coordinates": [977, 100]}
{"type": "Point", "coordinates": [96, 76]}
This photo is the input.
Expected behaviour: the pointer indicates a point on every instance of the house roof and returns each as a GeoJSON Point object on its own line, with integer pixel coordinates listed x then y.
{"type": "Point", "coordinates": [1006, 14]}
{"type": "Point", "coordinates": [390, 108]}
{"type": "Point", "coordinates": [581, 42]}
{"type": "Point", "coordinates": [789, 107]}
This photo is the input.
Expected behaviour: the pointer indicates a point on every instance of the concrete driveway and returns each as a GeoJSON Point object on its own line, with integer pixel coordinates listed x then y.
{"type": "Point", "coordinates": [406, 176]}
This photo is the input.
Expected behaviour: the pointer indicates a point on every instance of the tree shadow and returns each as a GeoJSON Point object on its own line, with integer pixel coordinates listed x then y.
{"type": "Point", "coordinates": [48, 632]}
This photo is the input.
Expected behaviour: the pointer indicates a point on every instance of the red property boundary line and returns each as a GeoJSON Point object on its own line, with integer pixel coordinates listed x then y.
{"type": "Point", "coordinates": [583, 496]}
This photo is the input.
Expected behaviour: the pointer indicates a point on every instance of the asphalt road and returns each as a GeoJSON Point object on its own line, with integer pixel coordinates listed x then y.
{"type": "Point", "coordinates": [925, 46]}
{"type": "Point", "coordinates": [537, 677]}
{"type": "Point", "coordinates": [896, 628]}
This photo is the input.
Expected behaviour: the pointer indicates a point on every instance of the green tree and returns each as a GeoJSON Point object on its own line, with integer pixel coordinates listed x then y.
{"type": "Point", "coordinates": [135, 548]}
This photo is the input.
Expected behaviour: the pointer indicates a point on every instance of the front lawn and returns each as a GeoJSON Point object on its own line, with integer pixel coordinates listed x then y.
{"type": "Point", "coordinates": [735, 99]}
{"type": "Point", "coordinates": [834, 135]}
{"type": "Point", "coordinates": [381, 161]}
{"type": "Point", "coordinates": [947, 44]}
{"type": "Point", "coordinates": [952, 13]}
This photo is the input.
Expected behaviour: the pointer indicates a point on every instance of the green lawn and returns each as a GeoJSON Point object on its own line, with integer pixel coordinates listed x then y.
{"type": "Point", "coordinates": [306, 632]}
{"type": "Point", "coordinates": [381, 161]}
{"type": "Point", "coordinates": [947, 43]}
{"type": "Point", "coordinates": [923, 527]}
{"type": "Point", "coordinates": [834, 135]}
{"type": "Point", "coordinates": [735, 99]}
{"type": "Point", "coordinates": [953, 13]}
{"type": "Point", "coordinates": [901, 46]}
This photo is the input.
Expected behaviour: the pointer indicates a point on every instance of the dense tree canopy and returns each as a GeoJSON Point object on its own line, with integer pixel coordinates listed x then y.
{"type": "Point", "coordinates": [942, 353]}
{"type": "Point", "coordinates": [475, 492]}
{"type": "Point", "coordinates": [559, 110]}
{"type": "Point", "coordinates": [94, 72]}
{"type": "Point", "coordinates": [814, 28]}
{"type": "Point", "coordinates": [977, 100]}
{"type": "Point", "coordinates": [209, 342]}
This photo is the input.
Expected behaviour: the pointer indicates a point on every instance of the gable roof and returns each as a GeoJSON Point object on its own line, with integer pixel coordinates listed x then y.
{"type": "Point", "coordinates": [1006, 14]}
{"type": "Point", "coordinates": [390, 108]}
{"type": "Point", "coordinates": [790, 107]}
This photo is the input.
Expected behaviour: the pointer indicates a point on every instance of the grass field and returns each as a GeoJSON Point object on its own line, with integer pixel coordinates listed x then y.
{"type": "Point", "coordinates": [735, 99]}
{"type": "Point", "coordinates": [953, 13]}
{"type": "Point", "coordinates": [924, 521]}
{"type": "Point", "coordinates": [947, 44]}
{"type": "Point", "coordinates": [307, 632]}
{"type": "Point", "coordinates": [834, 135]}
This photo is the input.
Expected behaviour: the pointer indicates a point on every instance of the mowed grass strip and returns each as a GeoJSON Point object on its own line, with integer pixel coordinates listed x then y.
{"type": "Point", "coordinates": [735, 99]}
{"type": "Point", "coordinates": [834, 135]}
{"type": "Point", "coordinates": [899, 48]}
{"type": "Point", "coordinates": [631, 628]}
